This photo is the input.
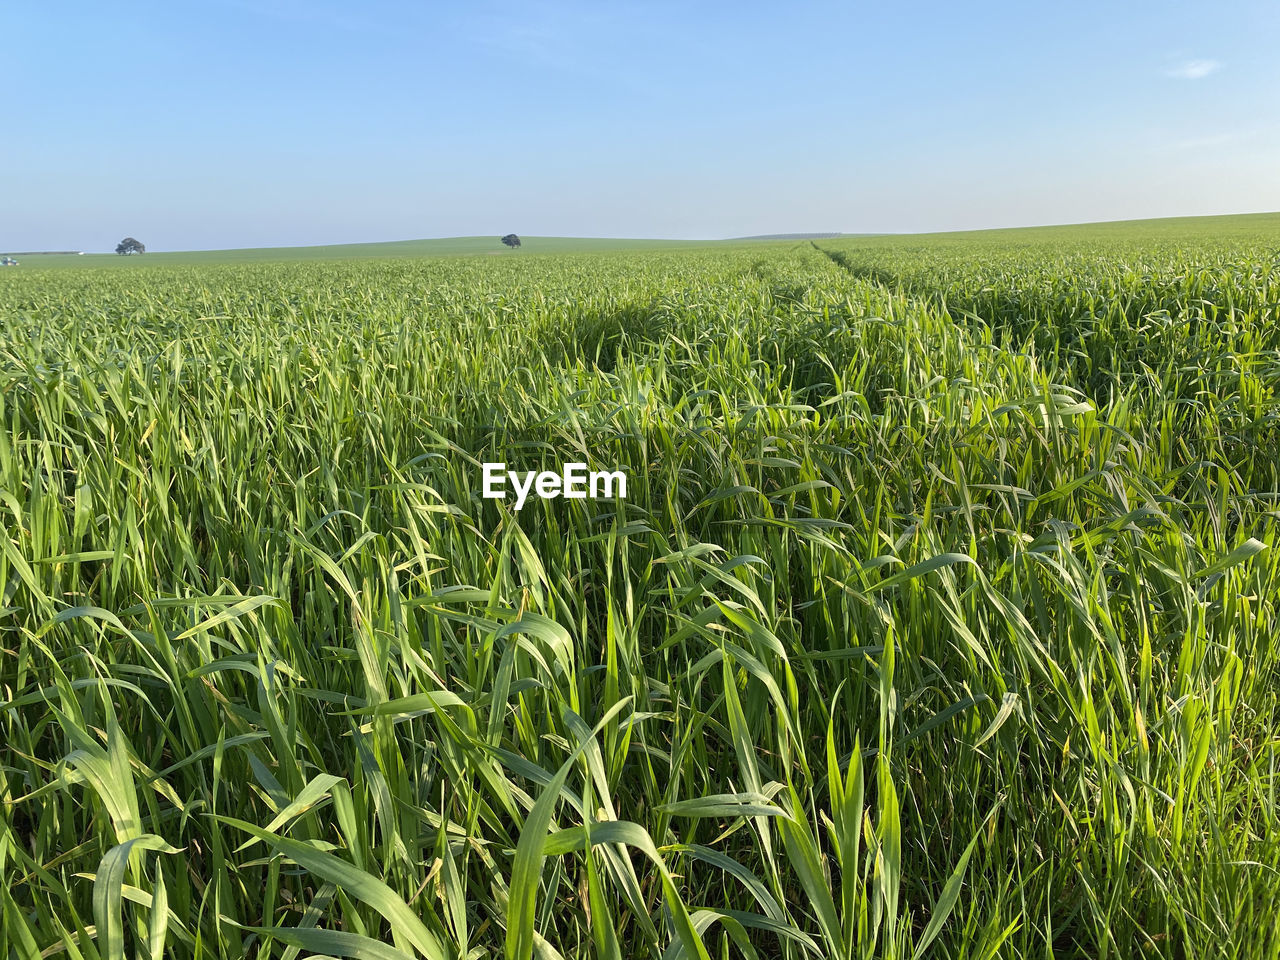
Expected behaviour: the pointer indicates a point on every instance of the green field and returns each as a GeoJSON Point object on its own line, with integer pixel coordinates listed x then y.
{"type": "Point", "coordinates": [443, 247]}
{"type": "Point", "coordinates": [940, 618]}
{"type": "Point", "coordinates": [1246, 227]}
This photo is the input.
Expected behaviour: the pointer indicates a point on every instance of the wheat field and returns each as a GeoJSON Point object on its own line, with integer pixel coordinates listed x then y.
{"type": "Point", "coordinates": [940, 618]}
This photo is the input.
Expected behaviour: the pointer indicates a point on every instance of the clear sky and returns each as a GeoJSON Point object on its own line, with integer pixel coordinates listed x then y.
{"type": "Point", "coordinates": [230, 123]}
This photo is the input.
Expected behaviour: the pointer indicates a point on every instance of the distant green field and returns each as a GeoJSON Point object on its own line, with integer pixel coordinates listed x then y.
{"type": "Point", "coordinates": [1228, 227]}
{"type": "Point", "coordinates": [1235, 226]}
{"type": "Point", "coordinates": [445, 247]}
{"type": "Point", "coordinates": [941, 618]}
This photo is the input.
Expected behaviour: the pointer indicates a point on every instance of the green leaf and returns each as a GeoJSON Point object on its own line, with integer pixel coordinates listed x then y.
{"type": "Point", "coordinates": [526, 869]}
{"type": "Point", "coordinates": [920, 569]}
{"type": "Point", "coordinates": [950, 894]}
{"type": "Point", "coordinates": [725, 805]}
{"type": "Point", "coordinates": [107, 886]}
{"type": "Point", "coordinates": [1007, 706]}
{"type": "Point", "coordinates": [333, 943]}
{"type": "Point", "coordinates": [1250, 548]}
{"type": "Point", "coordinates": [405, 924]}
{"type": "Point", "coordinates": [233, 612]}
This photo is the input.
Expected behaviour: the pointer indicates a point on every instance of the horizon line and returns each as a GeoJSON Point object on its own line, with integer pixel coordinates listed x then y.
{"type": "Point", "coordinates": [780, 235]}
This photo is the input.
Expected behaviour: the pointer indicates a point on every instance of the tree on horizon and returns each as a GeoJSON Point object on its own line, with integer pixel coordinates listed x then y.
{"type": "Point", "coordinates": [511, 240]}
{"type": "Point", "coordinates": [128, 246]}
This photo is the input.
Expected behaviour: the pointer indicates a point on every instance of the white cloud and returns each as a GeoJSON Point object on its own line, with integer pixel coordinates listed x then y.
{"type": "Point", "coordinates": [1195, 69]}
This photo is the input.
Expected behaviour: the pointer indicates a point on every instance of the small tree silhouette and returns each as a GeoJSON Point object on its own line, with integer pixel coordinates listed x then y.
{"type": "Point", "coordinates": [511, 240]}
{"type": "Point", "coordinates": [129, 245]}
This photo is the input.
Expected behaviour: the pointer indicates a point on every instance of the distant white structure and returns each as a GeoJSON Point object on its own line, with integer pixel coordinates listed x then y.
{"type": "Point", "coordinates": [8, 262]}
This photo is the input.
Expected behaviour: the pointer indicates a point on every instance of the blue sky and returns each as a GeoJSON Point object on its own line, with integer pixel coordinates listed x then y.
{"type": "Point", "coordinates": [232, 123]}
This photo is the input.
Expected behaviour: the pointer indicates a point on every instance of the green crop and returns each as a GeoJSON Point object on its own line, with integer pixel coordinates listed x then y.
{"type": "Point", "coordinates": [940, 618]}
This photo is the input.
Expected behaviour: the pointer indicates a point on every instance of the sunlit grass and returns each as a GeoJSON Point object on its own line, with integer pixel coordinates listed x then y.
{"type": "Point", "coordinates": [940, 618]}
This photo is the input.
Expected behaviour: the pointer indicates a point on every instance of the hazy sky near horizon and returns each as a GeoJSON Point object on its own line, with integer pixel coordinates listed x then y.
{"type": "Point", "coordinates": [232, 123]}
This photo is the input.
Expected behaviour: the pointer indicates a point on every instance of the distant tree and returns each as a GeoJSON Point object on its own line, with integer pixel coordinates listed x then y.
{"type": "Point", "coordinates": [511, 240]}
{"type": "Point", "coordinates": [129, 245]}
